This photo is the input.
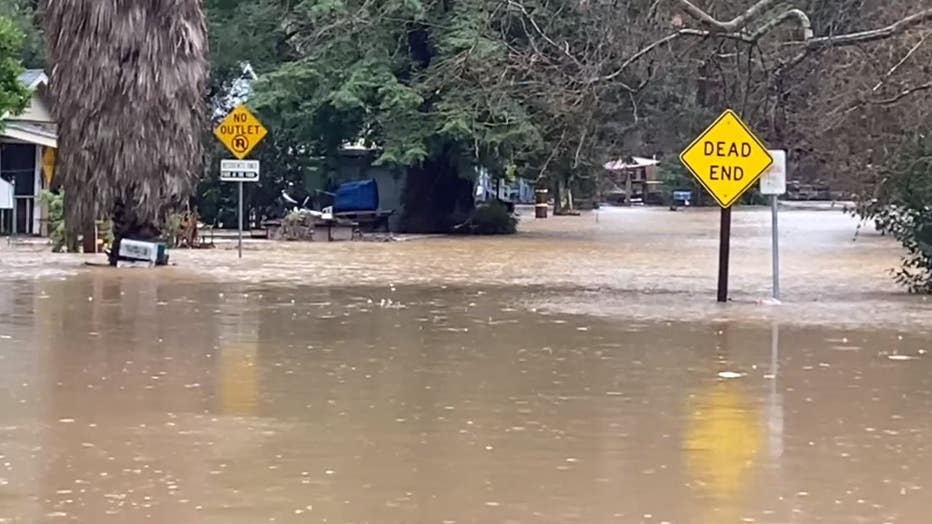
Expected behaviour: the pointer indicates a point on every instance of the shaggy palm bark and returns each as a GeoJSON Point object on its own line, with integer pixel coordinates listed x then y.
{"type": "Point", "coordinates": [127, 81]}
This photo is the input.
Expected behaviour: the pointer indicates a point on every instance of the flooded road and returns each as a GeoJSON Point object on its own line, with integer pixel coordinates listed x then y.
{"type": "Point", "coordinates": [579, 372]}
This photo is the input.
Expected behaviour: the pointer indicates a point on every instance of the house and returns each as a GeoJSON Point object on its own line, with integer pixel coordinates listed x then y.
{"type": "Point", "coordinates": [634, 179]}
{"type": "Point", "coordinates": [27, 157]}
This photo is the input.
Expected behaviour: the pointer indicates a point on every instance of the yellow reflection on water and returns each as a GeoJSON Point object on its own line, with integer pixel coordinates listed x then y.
{"type": "Point", "coordinates": [239, 390]}
{"type": "Point", "coordinates": [722, 442]}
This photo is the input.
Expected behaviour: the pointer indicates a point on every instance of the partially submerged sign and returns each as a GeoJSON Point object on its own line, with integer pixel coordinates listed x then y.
{"type": "Point", "coordinates": [240, 131]}
{"type": "Point", "coordinates": [152, 253]}
{"type": "Point", "coordinates": [727, 159]}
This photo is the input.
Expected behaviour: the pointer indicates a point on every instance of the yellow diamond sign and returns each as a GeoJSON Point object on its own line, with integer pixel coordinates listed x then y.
{"type": "Point", "coordinates": [240, 131]}
{"type": "Point", "coordinates": [727, 158]}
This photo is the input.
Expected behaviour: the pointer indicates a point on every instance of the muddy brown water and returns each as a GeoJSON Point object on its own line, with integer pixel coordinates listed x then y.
{"type": "Point", "coordinates": [579, 372]}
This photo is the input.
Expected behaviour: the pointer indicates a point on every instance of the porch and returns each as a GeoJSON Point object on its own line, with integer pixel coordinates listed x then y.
{"type": "Point", "coordinates": [27, 161]}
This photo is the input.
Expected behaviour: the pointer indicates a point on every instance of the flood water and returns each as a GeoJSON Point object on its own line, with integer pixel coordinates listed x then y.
{"type": "Point", "coordinates": [579, 372]}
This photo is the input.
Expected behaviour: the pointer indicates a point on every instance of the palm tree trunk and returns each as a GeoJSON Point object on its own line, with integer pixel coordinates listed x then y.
{"type": "Point", "coordinates": [128, 82]}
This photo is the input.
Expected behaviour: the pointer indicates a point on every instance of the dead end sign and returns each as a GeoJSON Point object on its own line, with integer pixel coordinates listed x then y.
{"type": "Point", "coordinates": [727, 159]}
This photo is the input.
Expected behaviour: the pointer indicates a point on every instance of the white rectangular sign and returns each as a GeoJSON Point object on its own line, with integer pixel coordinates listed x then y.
{"type": "Point", "coordinates": [137, 250]}
{"type": "Point", "coordinates": [239, 166]}
{"type": "Point", "coordinates": [239, 170]}
{"type": "Point", "coordinates": [773, 181]}
{"type": "Point", "coordinates": [6, 194]}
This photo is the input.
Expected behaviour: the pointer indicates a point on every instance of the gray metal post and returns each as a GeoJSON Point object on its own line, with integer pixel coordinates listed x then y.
{"type": "Point", "coordinates": [15, 209]}
{"type": "Point", "coordinates": [776, 247]}
{"type": "Point", "coordinates": [240, 184]}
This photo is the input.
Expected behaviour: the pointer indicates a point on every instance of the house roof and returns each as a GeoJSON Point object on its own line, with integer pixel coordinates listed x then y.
{"type": "Point", "coordinates": [632, 163]}
{"type": "Point", "coordinates": [29, 133]}
{"type": "Point", "coordinates": [33, 78]}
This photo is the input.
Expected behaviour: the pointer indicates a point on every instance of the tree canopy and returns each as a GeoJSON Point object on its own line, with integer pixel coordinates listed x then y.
{"type": "Point", "coordinates": [23, 14]}
{"type": "Point", "coordinates": [557, 86]}
{"type": "Point", "coordinates": [14, 97]}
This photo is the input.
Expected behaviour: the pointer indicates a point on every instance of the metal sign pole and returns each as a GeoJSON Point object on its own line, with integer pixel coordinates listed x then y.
{"type": "Point", "coordinates": [15, 209]}
{"type": "Point", "coordinates": [724, 252]}
{"type": "Point", "coordinates": [776, 247]}
{"type": "Point", "coordinates": [240, 184]}
{"type": "Point", "coordinates": [239, 172]}
{"type": "Point", "coordinates": [773, 184]}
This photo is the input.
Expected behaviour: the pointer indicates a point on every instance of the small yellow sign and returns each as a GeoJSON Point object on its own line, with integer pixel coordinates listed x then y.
{"type": "Point", "coordinates": [48, 166]}
{"type": "Point", "coordinates": [240, 131]}
{"type": "Point", "coordinates": [727, 158]}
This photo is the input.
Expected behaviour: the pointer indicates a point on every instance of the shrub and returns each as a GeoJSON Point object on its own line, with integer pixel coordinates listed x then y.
{"type": "Point", "coordinates": [903, 209]}
{"type": "Point", "coordinates": [493, 219]}
{"type": "Point", "coordinates": [55, 202]}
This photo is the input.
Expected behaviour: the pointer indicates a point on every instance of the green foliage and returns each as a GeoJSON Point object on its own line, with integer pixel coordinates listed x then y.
{"type": "Point", "coordinates": [242, 32]}
{"type": "Point", "coordinates": [903, 209]}
{"type": "Point", "coordinates": [420, 81]}
{"type": "Point", "coordinates": [245, 36]}
{"type": "Point", "coordinates": [13, 96]}
{"type": "Point", "coordinates": [399, 74]}
{"type": "Point", "coordinates": [58, 235]}
{"type": "Point", "coordinates": [23, 15]}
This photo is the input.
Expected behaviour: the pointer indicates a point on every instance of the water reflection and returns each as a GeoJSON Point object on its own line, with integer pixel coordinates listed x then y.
{"type": "Point", "coordinates": [723, 438]}
{"type": "Point", "coordinates": [775, 399]}
{"type": "Point", "coordinates": [238, 355]}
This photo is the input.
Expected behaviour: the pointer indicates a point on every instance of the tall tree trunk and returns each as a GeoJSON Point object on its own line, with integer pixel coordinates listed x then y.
{"type": "Point", "coordinates": [128, 83]}
{"type": "Point", "coordinates": [558, 196]}
{"type": "Point", "coordinates": [436, 197]}
{"type": "Point", "coordinates": [563, 196]}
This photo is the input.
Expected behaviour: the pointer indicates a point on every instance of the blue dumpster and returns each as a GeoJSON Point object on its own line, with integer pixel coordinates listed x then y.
{"type": "Point", "coordinates": [356, 196]}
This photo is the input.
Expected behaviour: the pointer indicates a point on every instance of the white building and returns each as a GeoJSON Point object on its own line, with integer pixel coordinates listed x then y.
{"type": "Point", "coordinates": [27, 155]}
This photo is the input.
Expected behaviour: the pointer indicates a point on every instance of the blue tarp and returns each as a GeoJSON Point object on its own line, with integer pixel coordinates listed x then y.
{"type": "Point", "coordinates": [357, 196]}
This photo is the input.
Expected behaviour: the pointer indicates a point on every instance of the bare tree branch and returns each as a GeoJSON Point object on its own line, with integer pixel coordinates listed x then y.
{"type": "Point", "coordinates": [553, 154]}
{"type": "Point", "coordinates": [733, 26]}
{"type": "Point", "coordinates": [801, 17]}
{"type": "Point", "coordinates": [752, 38]}
{"type": "Point", "coordinates": [666, 40]}
{"type": "Point", "coordinates": [903, 94]}
{"type": "Point", "coordinates": [562, 48]}
{"type": "Point", "coordinates": [869, 36]}
{"type": "Point", "coordinates": [900, 63]}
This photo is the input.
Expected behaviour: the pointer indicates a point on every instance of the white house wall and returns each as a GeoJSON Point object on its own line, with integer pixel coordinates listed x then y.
{"type": "Point", "coordinates": [38, 110]}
